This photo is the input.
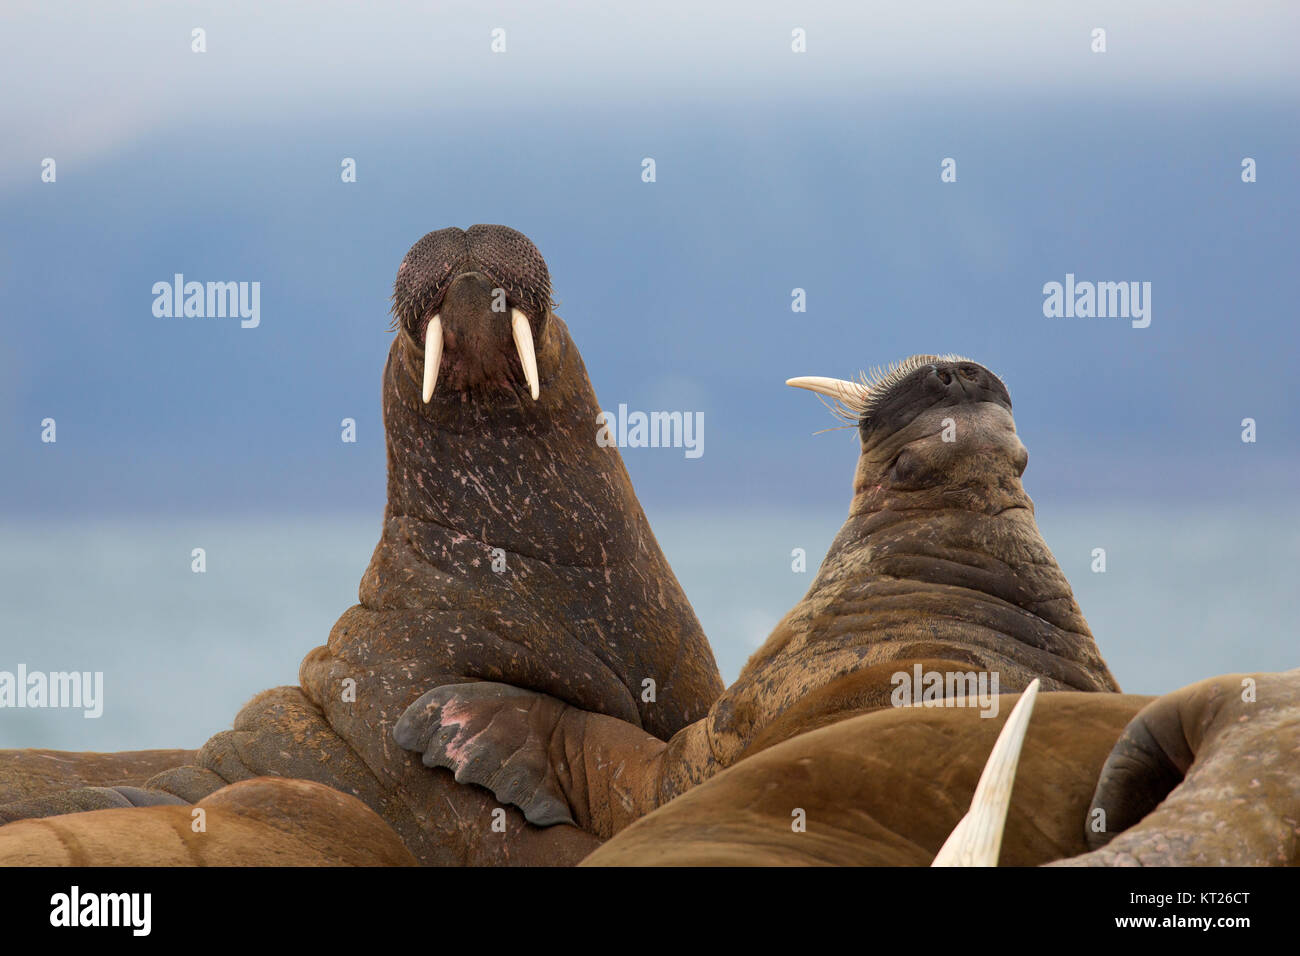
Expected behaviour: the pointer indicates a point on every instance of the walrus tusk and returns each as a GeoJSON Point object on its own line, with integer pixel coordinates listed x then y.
{"type": "Point", "coordinates": [432, 355]}
{"type": "Point", "coordinates": [850, 393]}
{"type": "Point", "coordinates": [524, 343]}
{"type": "Point", "coordinates": [977, 838]}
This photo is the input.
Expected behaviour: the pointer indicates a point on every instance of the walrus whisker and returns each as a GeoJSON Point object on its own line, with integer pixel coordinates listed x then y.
{"type": "Point", "coordinates": [977, 838]}
{"type": "Point", "coordinates": [838, 411]}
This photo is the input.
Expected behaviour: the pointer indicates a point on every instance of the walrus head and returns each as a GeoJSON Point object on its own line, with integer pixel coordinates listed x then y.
{"type": "Point", "coordinates": [937, 432]}
{"type": "Point", "coordinates": [471, 304]}
{"type": "Point", "coordinates": [939, 565]}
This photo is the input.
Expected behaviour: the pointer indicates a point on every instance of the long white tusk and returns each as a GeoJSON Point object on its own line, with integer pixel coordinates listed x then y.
{"type": "Point", "coordinates": [432, 355]}
{"type": "Point", "coordinates": [977, 838]}
{"type": "Point", "coordinates": [850, 393]}
{"type": "Point", "coordinates": [524, 344]}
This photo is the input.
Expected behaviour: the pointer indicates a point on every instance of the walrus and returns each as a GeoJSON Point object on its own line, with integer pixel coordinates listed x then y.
{"type": "Point", "coordinates": [939, 570]}
{"type": "Point", "coordinates": [267, 821]}
{"type": "Point", "coordinates": [513, 548]}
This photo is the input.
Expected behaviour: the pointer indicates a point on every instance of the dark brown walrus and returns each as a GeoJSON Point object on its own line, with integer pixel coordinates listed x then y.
{"type": "Point", "coordinates": [513, 549]}
{"type": "Point", "coordinates": [939, 570]}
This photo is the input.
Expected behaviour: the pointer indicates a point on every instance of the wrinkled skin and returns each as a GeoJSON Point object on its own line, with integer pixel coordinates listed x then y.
{"type": "Point", "coordinates": [1204, 777]}
{"type": "Point", "coordinates": [939, 565]}
{"type": "Point", "coordinates": [513, 549]}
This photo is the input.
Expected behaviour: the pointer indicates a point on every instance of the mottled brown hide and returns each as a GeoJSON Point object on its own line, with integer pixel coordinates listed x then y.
{"type": "Point", "coordinates": [885, 789]}
{"type": "Point", "coordinates": [1206, 776]}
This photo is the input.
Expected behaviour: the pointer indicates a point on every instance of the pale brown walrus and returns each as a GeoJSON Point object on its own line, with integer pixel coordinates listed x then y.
{"type": "Point", "coordinates": [263, 822]}
{"type": "Point", "coordinates": [939, 570]}
{"type": "Point", "coordinates": [513, 549]}
{"type": "Point", "coordinates": [1208, 775]}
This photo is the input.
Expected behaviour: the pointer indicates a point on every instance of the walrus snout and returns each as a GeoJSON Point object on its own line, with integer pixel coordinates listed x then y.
{"type": "Point", "coordinates": [938, 384]}
{"type": "Point", "coordinates": [475, 339]}
{"type": "Point", "coordinates": [495, 283]}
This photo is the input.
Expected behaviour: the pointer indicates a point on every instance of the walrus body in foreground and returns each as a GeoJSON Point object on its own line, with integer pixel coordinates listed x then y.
{"type": "Point", "coordinates": [886, 788]}
{"type": "Point", "coordinates": [939, 569]}
{"type": "Point", "coordinates": [1208, 775]}
{"type": "Point", "coordinates": [513, 549]}
{"type": "Point", "coordinates": [262, 822]}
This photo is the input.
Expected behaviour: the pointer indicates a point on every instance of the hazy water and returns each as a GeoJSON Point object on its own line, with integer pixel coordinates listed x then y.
{"type": "Point", "coordinates": [1185, 596]}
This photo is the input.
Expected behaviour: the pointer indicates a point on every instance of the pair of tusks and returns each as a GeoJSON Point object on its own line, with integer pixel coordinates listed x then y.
{"type": "Point", "coordinates": [977, 838]}
{"type": "Point", "coordinates": [522, 332]}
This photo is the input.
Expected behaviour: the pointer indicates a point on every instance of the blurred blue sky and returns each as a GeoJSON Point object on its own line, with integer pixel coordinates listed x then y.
{"type": "Point", "coordinates": [775, 171]}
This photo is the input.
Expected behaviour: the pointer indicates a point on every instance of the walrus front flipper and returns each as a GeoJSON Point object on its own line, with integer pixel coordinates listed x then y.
{"type": "Point", "coordinates": [557, 763]}
{"type": "Point", "coordinates": [1206, 776]}
{"type": "Point", "coordinates": [493, 735]}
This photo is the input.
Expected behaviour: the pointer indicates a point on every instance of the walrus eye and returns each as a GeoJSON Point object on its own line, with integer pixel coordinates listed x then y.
{"type": "Point", "coordinates": [903, 469]}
